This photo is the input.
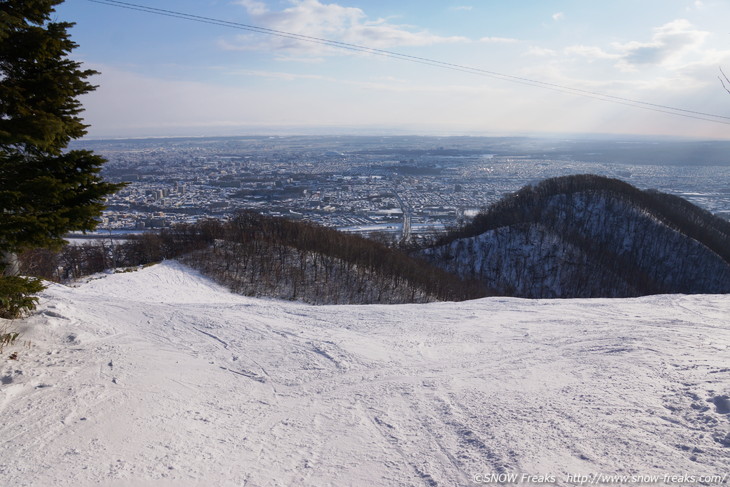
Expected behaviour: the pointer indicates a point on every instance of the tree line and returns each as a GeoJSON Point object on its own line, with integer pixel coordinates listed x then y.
{"type": "Point", "coordinates": [526, 206]}
{"type": "Point", "coordinates": [259, 255]}
{"type": "Point", "coordinates": [589, 236]}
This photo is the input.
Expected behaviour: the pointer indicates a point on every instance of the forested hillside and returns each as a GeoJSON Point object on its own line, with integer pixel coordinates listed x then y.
{"type": "Point", "coordinates": [590, 236]}
{"type": "Point", "coordinates": [263, 256]}
{"type": "Point", "coordinates": [257, 255]}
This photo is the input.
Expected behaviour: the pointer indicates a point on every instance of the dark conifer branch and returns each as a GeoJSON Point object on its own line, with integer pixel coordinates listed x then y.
{"type": "Point", "coordinates": [45, 191]}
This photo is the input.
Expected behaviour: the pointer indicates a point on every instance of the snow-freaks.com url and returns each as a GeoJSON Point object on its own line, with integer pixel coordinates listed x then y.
{"type": "Point", "coordinates": [600, 479]}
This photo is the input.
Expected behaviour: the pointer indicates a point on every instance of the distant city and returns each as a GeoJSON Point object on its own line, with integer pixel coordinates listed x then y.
{"type": "Point", "coordinates": [400, 185]}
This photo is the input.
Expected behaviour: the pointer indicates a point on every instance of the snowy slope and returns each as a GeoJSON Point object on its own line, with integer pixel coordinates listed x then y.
{"type": "Point", "coordinates": [586, 236]}
{"type": "Point", "coordinates": [159, 377]}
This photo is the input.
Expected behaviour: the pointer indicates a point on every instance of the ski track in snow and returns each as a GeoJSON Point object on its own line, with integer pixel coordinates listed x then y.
{"type": "Point", "coordinates": [160, 377]}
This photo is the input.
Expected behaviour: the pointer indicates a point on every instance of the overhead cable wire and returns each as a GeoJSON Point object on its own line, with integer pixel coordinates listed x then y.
{"type": "Point", "coordinates": [710, 117]}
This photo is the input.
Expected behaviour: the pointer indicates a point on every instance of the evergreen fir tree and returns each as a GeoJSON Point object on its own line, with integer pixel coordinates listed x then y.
{"type": "Point", "coordinates": [45, 190]}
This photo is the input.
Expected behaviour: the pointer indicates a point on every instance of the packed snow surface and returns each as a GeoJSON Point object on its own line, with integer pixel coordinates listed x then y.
{"type": "Point", "coordinates": [160, 377]}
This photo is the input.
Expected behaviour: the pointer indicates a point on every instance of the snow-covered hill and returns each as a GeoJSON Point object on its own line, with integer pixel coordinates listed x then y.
{"type": "Point", "coordinates": [159, 377]}
{"type": "Point", "coordinates": [589, 236]}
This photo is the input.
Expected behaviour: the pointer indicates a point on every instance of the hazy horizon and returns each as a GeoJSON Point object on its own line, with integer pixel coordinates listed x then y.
{"type": "Point", "coordinates": [284, 131]}
{"type": "Point", "coordinates": [164, 76]}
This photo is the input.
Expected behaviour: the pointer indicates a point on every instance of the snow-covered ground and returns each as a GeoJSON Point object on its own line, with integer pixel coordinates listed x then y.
{"type": "Point", "coordinates": [159, 377]}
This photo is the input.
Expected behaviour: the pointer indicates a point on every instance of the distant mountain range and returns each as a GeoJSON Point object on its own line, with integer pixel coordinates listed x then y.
{"type": "Point", "coordinates": [589, 236]}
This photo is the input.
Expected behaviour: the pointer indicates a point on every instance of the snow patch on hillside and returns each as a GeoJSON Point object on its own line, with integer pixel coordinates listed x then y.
{"type": "Point", "coordinates": [160, 377]}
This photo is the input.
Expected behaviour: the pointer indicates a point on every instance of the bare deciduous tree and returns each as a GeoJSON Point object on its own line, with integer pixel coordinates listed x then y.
{"type": "Point", "coordinates": [725, 82]}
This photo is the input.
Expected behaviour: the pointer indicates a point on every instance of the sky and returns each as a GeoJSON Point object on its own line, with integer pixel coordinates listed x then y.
{"type": "Point", "coordinates": [165, 76]}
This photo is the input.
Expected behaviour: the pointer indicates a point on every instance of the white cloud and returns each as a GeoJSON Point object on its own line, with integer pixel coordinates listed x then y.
{"type": "Point", "coordinates": [462, 7]}
{"type": "Point", "coordinates": [591, 53]}
{"type": "Point", "coordinates": [278, 75]}
{"type": "Point", "coordinates": [301, 59]}
{"type": "Point", "coordinates": [499, 40]}
{"type": "Point", "coordinates": [668, 45]}
{"type": "Point", "coordinates": [677, 48]}
{"type": "Point", "coordinates": [254, 7]}
{"type": "Point", "coordinates": [540, 52]}
{"type": "Point", "coordinates": [558, 16]}
{"type": "Point", "coordinates": [332, 22]}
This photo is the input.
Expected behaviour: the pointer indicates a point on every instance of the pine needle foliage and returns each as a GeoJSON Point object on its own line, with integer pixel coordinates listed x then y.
{"type": "Point", "coordinates": [45, 190]}
{"type": "Point", "coordinates": [16, 295]}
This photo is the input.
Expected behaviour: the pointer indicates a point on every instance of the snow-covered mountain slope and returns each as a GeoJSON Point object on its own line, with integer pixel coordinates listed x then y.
{"type": "Point", "coordinates": [589, 236]}
{"type": "Point", "coordinates": [159, 377]}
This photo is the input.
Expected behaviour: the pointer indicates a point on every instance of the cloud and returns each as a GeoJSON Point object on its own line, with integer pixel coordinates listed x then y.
{"type": "Point", "coordinates": [301, 59]}
{"type": "Point", "coordinates": [696, 5]}
{"type": "Point", "coordinates": [558, 16]}
{"type": "Point", "coordinates": [498, 40]}
{"type": "Point", "coordinates": [677, 47]}
{"type": "Point", "coordinates": [591, 53]}
{"type": "Point", "coordinates": [540, 52]}
{"type": "Point", "coordinates": [667, 46]}
{"type": "Point", "coordinates": [253, 7]}
{"type": "Point", "coordinates": [332, 22]}
{"type": "Point", "coordinates": [279, 75]}
{"type": "Point", "coordinates": [462, 7]}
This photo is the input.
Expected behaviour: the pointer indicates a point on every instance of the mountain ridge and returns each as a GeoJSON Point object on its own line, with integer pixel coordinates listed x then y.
{"type": "Point", "coordinates": [589, 236]}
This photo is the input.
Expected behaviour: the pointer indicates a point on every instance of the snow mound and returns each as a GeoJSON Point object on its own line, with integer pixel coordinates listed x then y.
{"type": "Point", "coordinates": [169, 282]}
{"type": "Point", "coordinates": [160, 377]}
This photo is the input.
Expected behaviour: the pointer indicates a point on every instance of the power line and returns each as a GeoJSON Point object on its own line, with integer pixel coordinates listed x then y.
{"type": "Point", "coordinates": [709, 117]}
